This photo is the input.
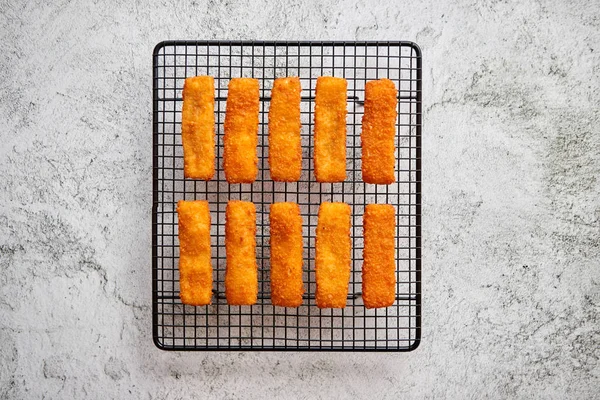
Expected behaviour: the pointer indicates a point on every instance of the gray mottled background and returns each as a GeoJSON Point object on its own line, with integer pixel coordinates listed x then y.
{"type": "Point", "coordinates": [511, 202]}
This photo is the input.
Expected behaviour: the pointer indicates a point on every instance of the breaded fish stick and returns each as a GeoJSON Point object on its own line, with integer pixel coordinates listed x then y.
{"type": "Point", "coordinates": [286, 255]}
{"type": "Point", "coordinates": [379, 268]}
{"type": "Point", "coordinates": [241, 131]}
{"type": "Point", "coordinates": [378, 132]}
{"type": "Point", "coordinates": [241, 274]}
{"type": "Point", "coordinates": [330, 129]}
{"type": "Point", "coordinates": [195, 269]}
{"type": "Point", "coordinates": [198, 127]}
{"type": "Point", "coordinates": [285, 153]}
{"type": "Point", "coordinates": [333, 255]}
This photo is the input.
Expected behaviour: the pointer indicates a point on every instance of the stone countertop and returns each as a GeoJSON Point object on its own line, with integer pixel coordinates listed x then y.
{"type": "Point", "coordinates": [511, 209]}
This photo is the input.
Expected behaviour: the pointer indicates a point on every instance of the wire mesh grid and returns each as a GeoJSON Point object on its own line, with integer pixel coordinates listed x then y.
{"type": "Point", "coordinates": [264, 326]}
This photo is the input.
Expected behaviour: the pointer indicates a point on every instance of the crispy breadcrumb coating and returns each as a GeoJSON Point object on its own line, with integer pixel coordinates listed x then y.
{"type": "Point", "coordinates": [195, 269]}
{"type": "Point", "coordinates": [240, 160]}
{"type": "Point", "coordinates": [379, 267]}
{"type": "Point", "coordinates": [241, 272]}
{"type": "Point", "coordinates": [333, 248]}
{"type": "Point", "coordinates": [198, 127]}
{"type": "Point", "coordinates": [378, 132]}
{"type": "Point", "coordinates": [286, 255]}
{"type": "Point", "coordinates": [330, 129]}
{"type": "Point", "coordinates": [285, 152]}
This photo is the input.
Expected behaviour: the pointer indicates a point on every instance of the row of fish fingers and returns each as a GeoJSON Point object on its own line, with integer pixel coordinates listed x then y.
{"type": "Point", "coordinates": [333, 249]}
{"type": "Point", "coordinates": [240, 161]}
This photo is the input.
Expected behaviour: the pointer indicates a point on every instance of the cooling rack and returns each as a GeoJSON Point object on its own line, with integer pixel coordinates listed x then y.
{"type": "Point", "coordinates": [264, 326]}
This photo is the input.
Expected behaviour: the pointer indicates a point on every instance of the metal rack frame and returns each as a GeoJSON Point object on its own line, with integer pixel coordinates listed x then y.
{"type": "Point", "coordinates": [264, 326]}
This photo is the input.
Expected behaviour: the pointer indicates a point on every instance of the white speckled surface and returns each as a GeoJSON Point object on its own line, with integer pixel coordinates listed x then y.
{"type": "Point", "coordinates": [511, 235]}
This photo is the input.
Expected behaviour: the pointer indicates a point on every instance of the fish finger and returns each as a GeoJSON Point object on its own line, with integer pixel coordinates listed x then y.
{"type": "Point", "coordinates": [198, 127]}
{"type": "Point", "coordinates": [195, 269]}
{"type": "Point", "coordinates": [379, 269]}
{"type": "Point", "coordinates": [378, 132]}
{"type": "Point", "coordinates": [285, 152]}
{"type": "Point", "coordinates": [333, 249]}
{"type": "Point", "coordinates": [240, 160]}
{"type": "Point", "coordinates": [330, 129]}
{"type": "Point", "coordinates": [286, 255]}
{"type": "Point", "coordinates": [241, 271]}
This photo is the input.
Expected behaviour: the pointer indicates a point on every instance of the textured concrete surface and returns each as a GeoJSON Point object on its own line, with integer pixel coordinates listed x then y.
{"type": "Point", "coordinates": [511, 201]}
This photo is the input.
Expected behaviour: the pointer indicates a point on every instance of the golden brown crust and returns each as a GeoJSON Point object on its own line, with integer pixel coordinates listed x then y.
{"type": "Point", "coordinates": [330, 129]}
{"type": "Point", "coordinates": [286, 255]}
{"type": "Point", "coordinates": [241, 272]}
{"type": "Point", "coordinates": [333, 249]}
{"type": "Point", "coordinates": [240, 161]}
{"type": "Point", "coordinates": [379, 268]}
{"type": "Point", "coordinates": [285, 152]}
{"type": "Point", "coordinates": [198, 127]}
{"type": "Point", "coordinates": [378, 132]}
{"type": "Point", "coordinates": [195, 269]}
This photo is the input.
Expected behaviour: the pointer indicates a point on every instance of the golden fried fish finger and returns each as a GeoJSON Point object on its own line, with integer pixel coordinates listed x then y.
{"type": "Point", "coordinates": [333, 255]}
{"type": "Point", "coordinates": [330, 129]}
{"type": "Point", "coordinates": [378, 132]}
{"type": "Point", "coordinates": [195, 269]}
{"type": "Point", "coordinates": [240, 160]}
{"type": "Point", "coordinates": [285, 152]}
{"type": "Point", "coordinates": [286, 255]}
{"type": "Point", "coordinates": [241, 272]}
{"type": "Point", "coordinates": [379, 269]}
{"type": "Point", "coordinates": [198, 127]}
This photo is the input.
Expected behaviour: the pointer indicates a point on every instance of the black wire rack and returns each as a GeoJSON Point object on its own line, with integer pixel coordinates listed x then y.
{"type": "Point", "coordinates": [264, 326]}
